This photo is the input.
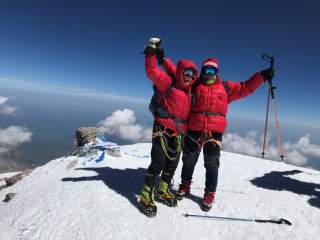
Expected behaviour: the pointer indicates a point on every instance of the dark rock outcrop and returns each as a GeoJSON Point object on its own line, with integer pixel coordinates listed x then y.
{"type": "Point", "coordinates": [9, 197]}
{"type": "Point", "coordinates": [14, 179]}
{"type": "Point", "coordinates": [85, 135]}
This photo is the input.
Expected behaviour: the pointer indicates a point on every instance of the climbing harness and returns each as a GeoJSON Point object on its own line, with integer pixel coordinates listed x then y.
{"type": "Point", "coordinates": [164, 143]}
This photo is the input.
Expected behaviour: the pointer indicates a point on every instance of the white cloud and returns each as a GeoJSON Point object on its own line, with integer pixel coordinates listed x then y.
{"type": "Point", "coordinates": [295, 157]}
{"type": "Point", "coordinates": [8, 110]}
{"type": "Point", "coordinates": [306, 147]}
{"type": "Point", "coordinates": [13, 136]}
{"type": "Point", "coordinates": [5, 108]}
{"type": "Point", "coordinates": [296, 153]}
{"type": "Point", "coordinates": [248, 145]}
{"type": "Point", "coordinates": [3, 100]}
{"type": "Point", "coordinates": [123, 124]}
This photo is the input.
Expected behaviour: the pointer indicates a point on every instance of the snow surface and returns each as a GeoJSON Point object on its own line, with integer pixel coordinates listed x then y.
{"type": "Point", "coordinates": [99, 201]}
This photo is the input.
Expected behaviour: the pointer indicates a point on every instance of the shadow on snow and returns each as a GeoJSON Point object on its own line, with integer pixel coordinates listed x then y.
{"type": "Point", "coordinates": [126, 182]}
{"type": "Point", "coordinates": [281, 182]}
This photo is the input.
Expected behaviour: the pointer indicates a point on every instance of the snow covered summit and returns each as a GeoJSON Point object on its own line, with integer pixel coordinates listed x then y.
{"type": "Point", "coordinates": [65, 199]}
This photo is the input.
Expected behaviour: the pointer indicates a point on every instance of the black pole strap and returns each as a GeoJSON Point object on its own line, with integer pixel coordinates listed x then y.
{"type": "Point", "coordinates": [279, 221]}
{"type": "Point", "coordinates": [271, 61]}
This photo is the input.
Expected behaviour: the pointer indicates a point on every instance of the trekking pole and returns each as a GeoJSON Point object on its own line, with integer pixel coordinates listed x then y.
{"type": "Point", "coordinates": [271, 93]}
{"type": "Point", "coordinates": [266, 125]}
{"type": "Point", "coordinates": [276, 221]}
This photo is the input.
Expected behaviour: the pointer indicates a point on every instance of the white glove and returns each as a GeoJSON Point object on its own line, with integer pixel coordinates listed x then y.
{"type": "Point", "coordinates": [154, 42]}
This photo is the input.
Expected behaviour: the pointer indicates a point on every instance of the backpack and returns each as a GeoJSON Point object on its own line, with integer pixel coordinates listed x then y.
{"type": "Point", "coordinates": [155, 105]}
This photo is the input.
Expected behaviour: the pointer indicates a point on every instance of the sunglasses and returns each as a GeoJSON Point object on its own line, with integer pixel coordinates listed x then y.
{"type": "Point", "coordinates": [210, 71]}
{"type": "Point", "coordinates": [189, 72]}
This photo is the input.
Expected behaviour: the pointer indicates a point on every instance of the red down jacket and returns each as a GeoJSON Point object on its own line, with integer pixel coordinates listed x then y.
{"type": "Point", "coordinates": [214, 99]}
{"type": "Point", "coordinates": [178, 100]}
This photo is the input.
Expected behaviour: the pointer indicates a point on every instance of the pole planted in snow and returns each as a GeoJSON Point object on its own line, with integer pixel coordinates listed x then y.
{"type": "Point", "coordinates": [271, 93]}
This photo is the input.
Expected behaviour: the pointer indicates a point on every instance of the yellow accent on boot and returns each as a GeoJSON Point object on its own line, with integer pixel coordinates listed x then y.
{"type": "Point", "coordinates": [165, 195]}
{"type": "Point", "coordinates": [163, 190]}
{"type": "Point", "coordinates": [145, 202]}
{"type": "Point", "coordinates": [163, 186]}
{"type": "Point", "coordinates": [145, 195]}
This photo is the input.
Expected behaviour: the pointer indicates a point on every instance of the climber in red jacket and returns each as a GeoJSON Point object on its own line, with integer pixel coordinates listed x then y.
{"type": "Point", "coordinates": [207, 122]}
{"type": "Point", "coordinates": [170, 106]}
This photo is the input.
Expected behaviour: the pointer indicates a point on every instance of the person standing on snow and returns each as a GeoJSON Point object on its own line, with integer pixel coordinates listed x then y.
{"type": "Point", "coordinates": [170, 107]}
{"type": "Point", "coordinates": [207, 123]}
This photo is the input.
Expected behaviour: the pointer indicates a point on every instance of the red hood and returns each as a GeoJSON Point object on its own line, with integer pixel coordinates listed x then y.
{"type": "Point", "coordinates": [182, 65]}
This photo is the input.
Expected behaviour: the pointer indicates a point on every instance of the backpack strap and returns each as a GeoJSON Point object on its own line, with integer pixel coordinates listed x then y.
{"type": "Point", "coordinates": [158, 111]}
{"type": "Point", "coordinates": [166, 93]}
{"type": "Point", "coordinates": [226, 87]}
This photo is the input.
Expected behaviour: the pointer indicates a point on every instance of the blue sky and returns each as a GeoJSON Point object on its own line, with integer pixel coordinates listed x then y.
{"type": "Point", "coordinates": [93, 49]}
{"type": "Point", "coordinates": [96, 45]}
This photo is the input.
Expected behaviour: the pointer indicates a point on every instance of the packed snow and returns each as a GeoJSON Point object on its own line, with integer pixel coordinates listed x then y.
{"type": "Point", "coordinates": [66, 199]}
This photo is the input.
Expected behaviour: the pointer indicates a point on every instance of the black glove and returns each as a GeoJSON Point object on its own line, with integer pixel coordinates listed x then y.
{"type": "Point", "coordinates": [152, 46]}
{"type": "Point", "coordinates": [160, 55]}
{"type": "Point", "coordinates": [268, 73]}
{"type": "Point", "coordinates": [149, 51]}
